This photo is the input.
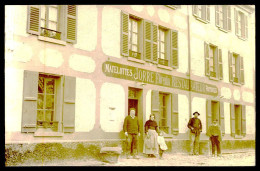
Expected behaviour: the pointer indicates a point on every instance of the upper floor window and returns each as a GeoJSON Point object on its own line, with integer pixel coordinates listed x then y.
{"type": "Point", "coordinates": [223, 17]}
{"type": "Point", "coordinates": [241, 24]}
{"type": "Point", "coordinates": [201, 12]}
{"type": "Point", "coordinates": [236, 68]}
{"type": "Point", "coordinates": [133, 38]}
{"type": "Point", "coordinates": [57, 22]}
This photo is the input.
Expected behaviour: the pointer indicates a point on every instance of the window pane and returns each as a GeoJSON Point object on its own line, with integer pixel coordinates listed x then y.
{"type": "Point", "coordinates": [134, 48]}
{"type": "Point", "coordinates": [50, 86]}
{"type": "Point", "coordinates": [48, 115]}
{"type": "Point", "coordinates": [43, 12]}
{"type": "Point", "coordinates": [40, 101]}
{"type": "Point", "coordinates": [49, 102]}
{"type": "Point", "coordinates": [162, 47]}
{"type": "Point", "coordinates": [162, 56]}
{"type": "Point", "coordinates": [40, 85]}
{"type": "Point", "coordinates": [162, 35]}
{"type": "Point", "coordinates": [43, 23]}
{"type": "Point", "coordinates": [134, 38]}
{"type": "Point", "coordinates": [53, 14]}
{"type": "Point", "coordinates": [53, 25]}
{"type": "Point", "coordinates": [135, 26]}
{"type": "Point", "coordinates": [40, 115]}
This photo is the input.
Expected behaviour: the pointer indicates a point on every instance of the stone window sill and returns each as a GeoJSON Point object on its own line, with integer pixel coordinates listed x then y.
{"type": "Point", "coordinates": [135, 60]}
{"type": "Point", "coordinates": [221, 29]}
{"type": "Point", "coordinates": [203, 21]}
{"type": "Point", "coordinates": [51, 40]}
{"type": "Point", "coordinates": [164, 67]}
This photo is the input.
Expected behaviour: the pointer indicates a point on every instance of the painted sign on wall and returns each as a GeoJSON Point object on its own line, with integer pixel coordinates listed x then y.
{"type": "Point", "coordinates": [112, 69]}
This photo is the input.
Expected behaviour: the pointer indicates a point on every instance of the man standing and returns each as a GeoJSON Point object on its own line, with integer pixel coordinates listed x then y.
{"type": "Point", "coordinates": [195, 127]}
{"type": "Point", "coordinates": [215, 137]}
{"type": "Point", "coordinates": [131, 129]}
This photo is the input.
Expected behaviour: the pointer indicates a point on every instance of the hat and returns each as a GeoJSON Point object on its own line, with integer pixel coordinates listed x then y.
{"type": "Point", "coordinates": [196, 112]}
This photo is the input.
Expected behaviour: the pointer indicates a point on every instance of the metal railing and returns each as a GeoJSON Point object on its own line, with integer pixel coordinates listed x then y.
{"type": "Point", "coordinates": [50, 33]}
{"type": "Point", "coordinates": [163, 61]}
{"type": "Point", "coordinates": [134, 54]}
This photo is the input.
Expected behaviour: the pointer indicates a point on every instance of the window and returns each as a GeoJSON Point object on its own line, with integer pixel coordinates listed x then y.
{"type": "Point", "coordinates": [53, 22]}
{"type": "Point", "coordinates": [223, 17]}
{"type": "Point", "coordinates": [213, 62]}
{"type": "Point", "coordinates": [236, 69]}
{"type": "Point", "coordinates": [237, 120]}
{"type": "Point", "coordinates": [241, 25]}
{"type": "Point", "coordinates": [162, 56]}
{"type": "Point", "coordinates": [133, 39]}
{"type": "Point", "coordinates": [201, 12]}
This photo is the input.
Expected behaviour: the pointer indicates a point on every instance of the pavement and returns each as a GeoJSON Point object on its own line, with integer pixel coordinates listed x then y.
{"type": "Point", "coordinates": [244, 158]}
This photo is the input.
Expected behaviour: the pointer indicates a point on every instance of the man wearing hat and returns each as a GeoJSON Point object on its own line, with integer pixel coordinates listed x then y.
{"type": "Point", "coordinates": [195, 127]}
{"type": "Point", "coordinates": [215, 137]}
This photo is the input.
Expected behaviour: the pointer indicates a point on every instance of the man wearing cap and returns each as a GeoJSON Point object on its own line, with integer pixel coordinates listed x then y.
{"type": "Point", "coordinates": [195, 127]}
{"type": "Point", "coordinates": [214, 133]}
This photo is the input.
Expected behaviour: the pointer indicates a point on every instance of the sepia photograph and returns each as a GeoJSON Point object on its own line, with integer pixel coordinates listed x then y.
{"type": "Point", "coordinates": [130, 85]}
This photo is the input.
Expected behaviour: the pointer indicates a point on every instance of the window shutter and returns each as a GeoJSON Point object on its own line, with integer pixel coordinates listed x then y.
{"type": "Point", "coordinates": [230, 66]}
{"type": "Point", "coordinates": [208, 116]}
{"type": "Point", "coordinates": [208, 13]}
{"type": "Point", "coordinates": [242, 79]}
{"type": "Point", "coordinates": [236, 22]}
{"type": "Point", "coordinates": [195, 10]}
{"type": "Point", "coordinates": [206, 54]}
{"type": "Point", "coordinates": [69, 104]}
{"type": "Point", "coordinates": [33, 24]}
{"type": "Point", "coordinates": [71, 23]}
{"type": "Point", "coordinates": [174, 50]}
{"type": "Point", "coordinates": [30, 93]}
{"type": "Point", "coordinates": [175, 114]}
{"type": "Point", "coordinates": [220, 65]}
{"type": "Point", "coordinates": [229, 18]}
{"type": "Point", "coordinates": [243, 120]}
{"type": "Point", "coordinates": [155, 43]}
{"type": "Point", "coordinates": [232, 120]}
{"type": "Point", "coordinates": [148, 40]}
{"type": "Point", "coordinates": [124, 33]}
{"type": "Point", "coordinates": [155, 104]}
{"type": "Point", "coordinates": [217, 15]}
{"type": "Point", "coordinates": [222, 118]}
{"type": "Point", "coordinates": [246, 27]}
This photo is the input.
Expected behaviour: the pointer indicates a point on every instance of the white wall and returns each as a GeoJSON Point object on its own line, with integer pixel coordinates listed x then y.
{"type": "Point", "coordinates": [183, 107]}
{"type": "Point", "coordinates": [227, 117]}
{"type": "Point", "coordinates": [250, 120]}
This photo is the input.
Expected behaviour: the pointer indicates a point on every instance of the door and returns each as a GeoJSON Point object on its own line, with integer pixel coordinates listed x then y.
{"type": "Point", "coordinates": [238, 119]}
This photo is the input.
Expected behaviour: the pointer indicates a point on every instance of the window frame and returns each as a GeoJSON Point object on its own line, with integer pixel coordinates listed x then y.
{"type": "Point", "coordinates": [204, 15]}
{"type": "Point", "coordinates": [241, 24]}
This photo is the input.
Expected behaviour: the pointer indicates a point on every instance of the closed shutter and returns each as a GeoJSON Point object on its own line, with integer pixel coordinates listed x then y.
{"type": "Point", "coordinates": [242, 79]}
{"type": "Point", "coordinates": [243, 120]}
{"type": "Point", "coordinates": [69, 104]}
{"type": "Point", "coordinates": [155, 43]}
{"type": "Point", "coordinates": [72, 23]}
{"type": "Point", "coordinates": [222, 117]}
{"type": "Point", "coordinates": [229, 18]}
{"type": "Point", "coordinates": [232, 120]}
{"type": "Point", "coordinates": [217, 15]}
{"type": "Point", "coordinates": [246, 27]}
{"type": "Point", "coordinates": [230, 66]}
{"type": "Point", "coordinates": [124, 34]}
{"type": "Point", "coordinates": [30, 93]}
{"type": "Point", "coordinates": [206, 54]}
{"type": "Point", "coordinates": [208, 13]}
{"type": "Point", "coordinates": [220, 65]}
{"type": "Point", "coordinates": [148, 40]}
{"type": "Point", "coordinates": [174, 50]}
{"type": "Point", "coordinates": [155, 104]}
{"type": "Point", "coordinates": [208, 114]}
{"type": "Point", "coordinates": [175, 114]}
{"type": "Point", "coordinates": [195, 10]}
{"type": "Point", "coordinates": [33, 24]}
{"type": "Point", "coordinates": [236, 21]}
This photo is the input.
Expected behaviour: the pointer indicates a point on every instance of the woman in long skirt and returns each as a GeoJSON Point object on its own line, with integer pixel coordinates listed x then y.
{"type": "Point", "coordinates": [151, 147]}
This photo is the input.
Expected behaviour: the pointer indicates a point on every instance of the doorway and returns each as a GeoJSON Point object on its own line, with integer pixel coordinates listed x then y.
{"type": "Point", "coordinates": [238, 119]}
{"type": "Point", "coordinates": [215, 111]}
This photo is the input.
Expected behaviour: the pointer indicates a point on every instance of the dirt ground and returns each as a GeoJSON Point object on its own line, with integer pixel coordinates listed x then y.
{"type": "Point", "coordinates": [246, 158]}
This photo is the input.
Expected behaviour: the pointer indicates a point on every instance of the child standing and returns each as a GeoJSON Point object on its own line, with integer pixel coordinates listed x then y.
{"type": "Point", "coordinates": [161, 143]}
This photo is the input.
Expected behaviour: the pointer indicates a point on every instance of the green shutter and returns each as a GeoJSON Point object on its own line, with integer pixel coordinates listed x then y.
{"type": "Point", "coordinates": [242, 79]}
{"type": "Point", "coordinates": [232, 120]}
{"type": "Point", "coordinates": [195, 10]}
{"type": "Point", "coordinates": [208, 115]}
{"type": "Point", "coordinates": [155, 104]}
{"type": "Point", "coordinates": [208, 13]}
{"type": "Point", "coordinates": [148, 40]}
{"type": "Point", "coordinates": [217, 15]}
{"type": "Point", "coordinates": [222, 117]}
{"type": "Point", "coordinates": [243, 120]}
{"type": "Point", "coordinates": [124, 33]}
{"type": "Point", "coordinates": [174, 50]}
{"type": "Point", "coordinates": [206, 55]}
{"type": "Point", "coordinates": [71, 23]}
{"type": "Point", "coordinates": [229, 18]}
{"type": "Point", "coordinates": [30, 93]}
{"type": "Point", "coordinates": [175, 114]}
{"type": "Point", "coordinates": [236, 21]}
{"type": "Point", "coordinates": [155, 43]}
{"type": "Point", "coordinates": [220, 65]}
{"type": "Point", "coordinates": [33, 24]}
{"type": "Point", "coordinates": [230, 66]}
{"type": "Point", "coordinates": [69, 104]}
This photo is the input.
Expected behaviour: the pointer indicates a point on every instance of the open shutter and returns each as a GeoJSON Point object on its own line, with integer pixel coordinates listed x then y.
{"type": "Point", "coordinates": [229, 18]}
{"type": "Point", "coordinates": [69, 104]}
{"type": "Point", "coordinates": [232, 120]}
{"type": "Point", "coordinates": [175, 114]}
{"type": "Point", "coordinates": [208, 116]}
{"type": "Point", "coordinates": [155, 43]}
{"type": "Point", "coordinates": [30, 92]}
{"type": "Point", "coordinates": [230, 66]}
{"type": "Point", "coordinates": [217, 15]}
{"type": "Point", "coordinates": [71, 23]}
{"type": "Point", "coordinates": [155, 104]}
{"type": "Point", "coordinates": [195, 10]}
{"type": "Point", "coordinates": [222, 118]}
{"type": "Point", "coordinates": [124, 34]}
{"type": "Point", "coordinates": [33, 24]}
{"type": "Point", "coordinates": [208, 13]}
{"type": "Point", "coordinates": [246, 27]}
{"type": "Point", "coordinates": [220, 65]}
{"type": "Point", "coordinates": [206, 54]}
{"type": "Point", "coordinates": [236, 22]}
{"type": "Point", "coordinates": [148, 40]}
{"type": "Point", "coordinates": [174, 50]}
{"type": "Point", "coordinates": [242, 80]}
{"type": "Point", "coordinates": [243, 120]}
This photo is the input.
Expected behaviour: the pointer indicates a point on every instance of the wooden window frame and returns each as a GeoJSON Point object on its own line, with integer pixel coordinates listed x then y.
{"type": "Point", "coordinates": [241, 25]}
{"type": "Point", "coordinates": [223, 17]}
{"type": "Point", "coordinates": [204, 15]}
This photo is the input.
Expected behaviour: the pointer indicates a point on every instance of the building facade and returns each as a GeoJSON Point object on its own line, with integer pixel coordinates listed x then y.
{"type": "Point", "coordinates": [72, 72]}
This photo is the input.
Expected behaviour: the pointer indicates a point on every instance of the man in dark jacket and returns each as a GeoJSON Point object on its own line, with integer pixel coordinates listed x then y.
{"type": "Point", "coordinates": [215, 137]}
{"type": "Point", "coordinates": [131, 129]}
{"type": "Point", "coordinates": [195, 127]}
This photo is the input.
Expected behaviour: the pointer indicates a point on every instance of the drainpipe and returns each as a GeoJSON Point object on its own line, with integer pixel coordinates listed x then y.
{"type": "Point", "coordinates": [189, 60]}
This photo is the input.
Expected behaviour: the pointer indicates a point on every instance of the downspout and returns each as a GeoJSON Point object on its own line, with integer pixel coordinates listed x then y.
{"type": "Point", "coordinates": [189, 60]}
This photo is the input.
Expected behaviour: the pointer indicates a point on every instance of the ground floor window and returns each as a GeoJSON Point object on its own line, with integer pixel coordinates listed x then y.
{"type": "Point", "coordinates": [238, 120]}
